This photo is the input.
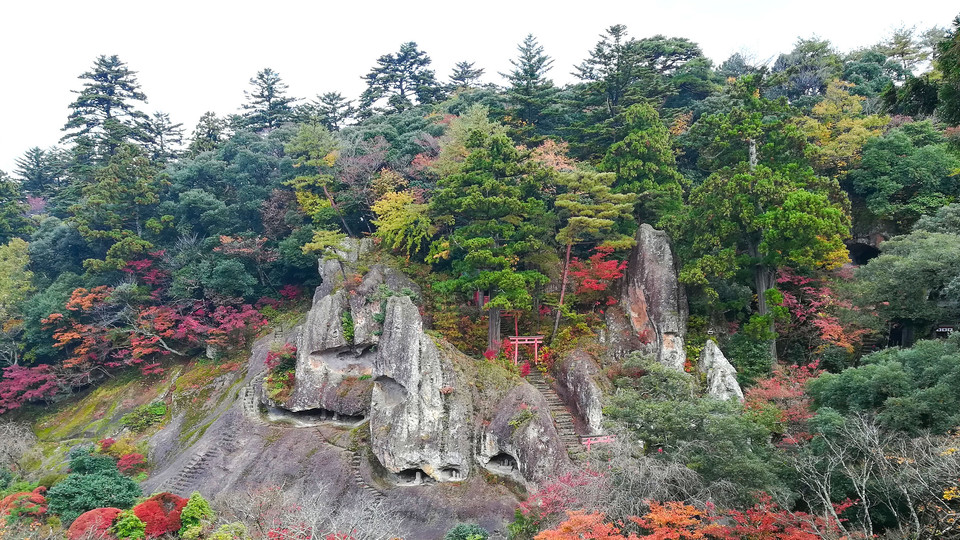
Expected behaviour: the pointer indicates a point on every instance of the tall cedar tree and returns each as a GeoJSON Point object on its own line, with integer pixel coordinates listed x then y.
{"type": "Point", "coordinates": [209, 134]}
{"type": "Point", "coordinates": [103, 116]}
{"type": "Point", "coordinates": [41, 172]}
{"type": "Point", "coordinates": [268, 107]}
{"type": "Point", "coordinates": [530, 93]}
{"type": "Point", "coordinates": [493, 222]}
{"type": "Point", "coordinates": [400, 78]}
{"type": "Point", "coordinates": [948, 62]}
{"type": "Point", "coordinates": [333, 110]}
{"type": "Point", "coordinates": [643, 161]}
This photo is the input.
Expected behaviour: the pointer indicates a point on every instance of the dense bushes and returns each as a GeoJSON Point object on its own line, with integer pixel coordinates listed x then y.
{"type": "Point", "coordinates": [161, 514]}
{"type": "Point", "coordinates": [93, 483]}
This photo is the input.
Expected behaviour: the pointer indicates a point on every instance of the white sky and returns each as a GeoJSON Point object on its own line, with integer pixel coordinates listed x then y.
{"type": "Point", "coordinates": [198, 55]}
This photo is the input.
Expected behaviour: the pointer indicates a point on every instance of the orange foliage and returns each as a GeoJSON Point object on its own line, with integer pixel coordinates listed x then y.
{"type": "Point", "coordinates": [676, 520]}
{"type": "Point", "coordinates": [582, 526]}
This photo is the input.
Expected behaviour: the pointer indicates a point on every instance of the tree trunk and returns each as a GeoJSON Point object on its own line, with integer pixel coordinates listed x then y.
{"type": "Point", "coordinates": [563, 289]}
{"type": "Point", "coordinates": [333, 204]}
{"type": "Point", "coordinates": [753, 154]}
{"type": "Point", "coordinates": [764, 278]}
{"type": "Point", "coordinates": [493, 330]}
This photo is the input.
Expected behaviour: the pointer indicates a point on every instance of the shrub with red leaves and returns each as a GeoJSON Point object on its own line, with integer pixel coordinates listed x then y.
{"type": "Point", "coordinates": [105, 444]}
{"type": "Point", "coordinates": [131, 463]}
{"type": "Point", "coordinates": [93, 524]}
{"type": "Point", "coordinates": [161, 513]}
{"type": "Point", "coordinates": [30, 504]}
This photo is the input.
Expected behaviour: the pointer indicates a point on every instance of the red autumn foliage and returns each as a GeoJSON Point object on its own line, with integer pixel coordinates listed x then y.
{"type": "Point", "coordinates": [291, 292]}
{"type": "Point", "coordinates": [767, 520]}
{"type": "Point", "coordinates": [784, 392]}
{"type": "Point", "coordinates": [22, 384]}
{"type": "Point", "coordinates": [558, 496]}
{"type": "Point", "coordinates": [815, 310]}
{"type": "Point", "coordinates": [287, 354]}
{"type": "Point", "coordinates": [93, 524]}
{"type": "Point", "coordinates": [583, 526]}
{"type": "Point", "coordinates": [161, 514]}
{"type": "Point", "coordinates": [26, 504]}
{"type": "Point", "coordinates": [131, 463]}
{"type": "Point", "coordinates": [105, 444]}
{"type": "Point", "coordinates": [674, 519]}
{"type": "Point", "coordinates": [598, 272]}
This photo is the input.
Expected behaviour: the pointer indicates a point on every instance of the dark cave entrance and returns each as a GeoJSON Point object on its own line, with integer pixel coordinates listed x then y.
{"type": "Point", "coordinates": [413, 477]}
{"type": "Point", "coordinates": [310, 417]}
{"type": "Point", "coordinates": [504, 463]}
{"type": "Point", "coordinates": [451, 474]}
{"type": "Point", "coordinates": [861, 254]}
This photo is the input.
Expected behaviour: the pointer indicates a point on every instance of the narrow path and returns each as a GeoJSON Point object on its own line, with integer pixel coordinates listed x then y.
{"type": "Point", "coordinates": [562, 419]}
{"type": "Point", "coordinates": [355, 462]}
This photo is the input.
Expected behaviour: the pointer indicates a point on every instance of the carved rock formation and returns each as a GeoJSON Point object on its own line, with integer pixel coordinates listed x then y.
{"type": "Point", "coordinates": [578, 376]}
{"type": "Point", "coordinates": [721, 375]}
{"type": "Point", "coordinates": [652, 312]}
{"type": "Point", "coordinates": [521, 440]}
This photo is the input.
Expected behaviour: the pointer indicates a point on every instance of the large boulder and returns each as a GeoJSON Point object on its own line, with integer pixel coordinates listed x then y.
{"type": "Point", "coordinates": [579, 380]}
{"type": "Point", "coordinates": [335, 356]}
{"type": "Point", "coordinates": [720, 374]}
{"type": "Point", "coordinates": [652, 313]}
{"type": "Point", "coordinates": [421, 410]}
{"type": "Point", "coordinates": [521, 440]}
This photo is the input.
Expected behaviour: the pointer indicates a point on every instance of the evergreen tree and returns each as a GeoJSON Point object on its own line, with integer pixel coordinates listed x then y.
{"type": "Point", "coordinates": [41, 172]}
{"type": "Point", "coordinates": [267, 107]}
{"type": "Point", "coordinates": [492, 222]}
{"type": "Point", "coordinates": [166, 138]}
{"type": "Point", "coordinates": [465, 75]}
{"type": "Point", "coordinates": [948, 62]}
{"type": "Point", "coordinates": [13, 219]}
{"type": "Point", "coordinates": [530, 93]}
{"type": "Point", "coordinates": [644, 164]}
{"type": "Point", "coordinates": [209, 134]}
{"type": "Point", "coordinates": [103, 116]}
{"type": "Point", "coordinates": [612, 69]}
{"type": "Point", "coordinates": [400, 78]}
{"type": "Point", "coordinates": [334, 110]}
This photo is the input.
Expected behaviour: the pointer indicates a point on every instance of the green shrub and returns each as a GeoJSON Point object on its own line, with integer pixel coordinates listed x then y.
{"type": "Point", "coordinates": [346, 322]}
{"type": "Point", "coordinates": [129, 527]}
{"type": "Point", "coordinates": [231, 531]}
{"type": "Point", "coordinates": [467, 531]}
{"type": "Point", "coordinates": [94, 483]}
{"type": "Point", "coordinates": [145, 416]}
{"type": "Point", "coordinates": [195, 517]}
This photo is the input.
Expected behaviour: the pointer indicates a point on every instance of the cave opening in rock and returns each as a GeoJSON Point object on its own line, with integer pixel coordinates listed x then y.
{"type": "Point", "coordinates": [451, 474]}
{"type": "Point", "coordinates": [310, 417]}
{"type": "Point", "coordinates": [413, 477]}
{"type": "Point", "coordinates": [504, 463]}
{"type": "Point", "coordinates": [861, 254]}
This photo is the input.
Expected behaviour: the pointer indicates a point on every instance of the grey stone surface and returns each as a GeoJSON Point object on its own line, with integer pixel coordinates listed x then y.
{"type": "Point", "coordinates": [533, 443]}
{"type": "Point", "coordinates": [720, 374]}
{"type": "Point", "coordinates": [579, 381]}
{"type": "Point", "coordinates": [652, 312]}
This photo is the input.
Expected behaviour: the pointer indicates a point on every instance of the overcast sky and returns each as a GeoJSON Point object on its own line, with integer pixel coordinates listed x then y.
{"type": "Point", "coordinates": [194, 56]}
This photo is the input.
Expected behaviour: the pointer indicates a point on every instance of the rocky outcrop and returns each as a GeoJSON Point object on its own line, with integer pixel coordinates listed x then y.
{"type": "Point", "coordinates": [652, 313]}
{"type": "Point", "coordinates": [578, 377]}
{"type": "Point", "coordinates": [521, 440]}
{"type": "Point", "coordinates": [421, 410]}
{"type": "Point", "coordinates": [720, 374]}
{"type": "Point", "coordinates": [335, 358]}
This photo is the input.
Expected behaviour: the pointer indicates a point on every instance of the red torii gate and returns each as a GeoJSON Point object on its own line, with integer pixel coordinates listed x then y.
{"type": "Point", "coordinates": [536, 341]}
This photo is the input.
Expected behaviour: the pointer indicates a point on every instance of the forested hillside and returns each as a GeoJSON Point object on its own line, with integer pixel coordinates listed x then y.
{"type": "Point", "coordinates": [663, 214]}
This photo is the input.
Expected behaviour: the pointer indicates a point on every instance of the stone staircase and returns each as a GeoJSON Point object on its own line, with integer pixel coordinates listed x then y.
{"type": "Point", "coordinates": [201, 461]}
{"type": "Point", "coordinates": [562, 419]}
{"type": "Point", "coordinates": [248, 400]}
{"type": "Point", "coordinates": [355, 461]}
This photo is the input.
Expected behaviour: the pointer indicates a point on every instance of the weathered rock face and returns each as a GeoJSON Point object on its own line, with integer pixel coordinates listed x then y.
{"type": "Point", "coordinates": [335, 373]}
{"type": "Point", "coordinates": [421, 409]}
{"type": "Point", "coordinates": [721, 375]}
{"type": "Point", "coordinates": [578, 376]}
{"type": "Point", "coordinates": [652, 314]}
{"type": "Point", "coordinates": [521, 440]}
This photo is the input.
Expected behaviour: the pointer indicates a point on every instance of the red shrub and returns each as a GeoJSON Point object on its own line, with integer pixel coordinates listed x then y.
{"type": "Point", "coordinates": [25, 504]}
{"type": "Point", "coordinates": [131, 463]}
{"type": "Point", "coordinates": [93, 524]}
{"type": "Point", "coordinates": [105, 444]}
{"type": "Point", "coordinates": [160, 513]}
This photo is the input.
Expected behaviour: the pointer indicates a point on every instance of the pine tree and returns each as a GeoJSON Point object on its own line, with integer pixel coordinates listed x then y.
{"type": "Point", "coordinates": [334, 110]}
{"type": "Point", "coordinates": [166, 138]}
{"type": "Point", "coordinates": [530, 93]}
{"type": "Point", "coordinates": [41, 172]}
{"type": "Point", "coordinates": [465, 75]}
{"type": "Point", "coordinates": [209, 134]}
{"type": "Point", "coordinates": [13, 219]}
{"type": "Point", "coordinates": [103, 116]}
{"type": "Point", "coordinates": [267, 107]}
{"type": "Point", "coordinates": [400, 78]}
{"type": "Point", "coordinates": [612, 69]}
{"type": "Point", "coordinates": [493, 221]}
